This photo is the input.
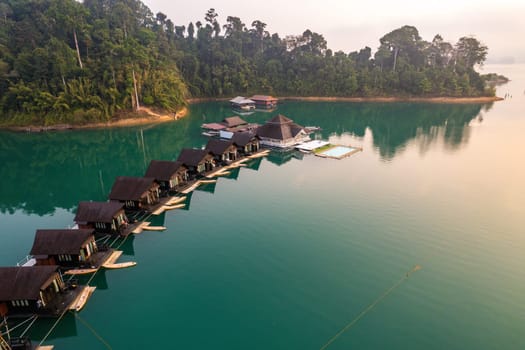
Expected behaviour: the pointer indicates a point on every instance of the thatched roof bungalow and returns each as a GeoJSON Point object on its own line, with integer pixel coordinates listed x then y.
{"type": "Point", "coordinates": [103, 217]}
{"type": "Point", "coordinates": [168, 174]}
{"type": "Point", "coordinates": [224, 151]}
{"type": "Point", "coordinates": [65, 248]}
{"type": "Point", "coordinates": [246, 142]}
{"type": "Point", "coordinates": [198, 161]}
{"type": "Point", "coordinates": [26, 290]}
{"type": "Point", "coordinates": [136, 193]}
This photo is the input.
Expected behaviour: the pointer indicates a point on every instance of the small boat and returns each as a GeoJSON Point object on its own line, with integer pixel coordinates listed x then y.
{"type": "Point", "coordinates": [175, 206]}
{"type": "Point", "coordinates": [154, 228]}
{"type": "Point", "coordinates": [79, 303]}
{"type": "Point", "coordinates": [121, 265]}
{"type": "Point", "coordinates": [80, 271]}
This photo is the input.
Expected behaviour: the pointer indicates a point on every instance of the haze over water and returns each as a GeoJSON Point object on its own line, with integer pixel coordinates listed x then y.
{"type": "Point", "coordinates": [287, 252]}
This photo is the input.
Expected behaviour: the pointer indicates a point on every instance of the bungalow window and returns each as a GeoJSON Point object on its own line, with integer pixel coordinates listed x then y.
{"type": "Point", "coordinates": [130, 203]}
{"type": "Point", "coordinates": [200, 168]}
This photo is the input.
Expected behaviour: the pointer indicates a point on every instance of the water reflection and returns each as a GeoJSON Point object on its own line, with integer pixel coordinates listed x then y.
{"type": "Point", "coordinates": [282, 157]}
{"type": "Point", "coordinates": [42, 172]}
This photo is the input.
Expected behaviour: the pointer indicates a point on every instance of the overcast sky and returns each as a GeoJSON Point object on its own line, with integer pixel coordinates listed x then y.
{"type": "Point", "coordinates": [351, 25]}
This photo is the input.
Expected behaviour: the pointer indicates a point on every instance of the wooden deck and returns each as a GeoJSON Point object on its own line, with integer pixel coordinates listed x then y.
{"type": "Point", "coordinates": [197, 184]}
{"type": "Point", "coordinates": [169, 203]}
{"type": "Point", "coordinates": [113, 257]}
{"type": "Point", "coordinates": [81, 300]}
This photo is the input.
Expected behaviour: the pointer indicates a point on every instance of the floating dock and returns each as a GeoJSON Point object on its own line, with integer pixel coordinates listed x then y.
{"type": "Point", "coordinates": [112, 264]}
{"type": "Point", "coordinates": [82, 299]}
{"type": "Point", "coordinates": [338, 152]}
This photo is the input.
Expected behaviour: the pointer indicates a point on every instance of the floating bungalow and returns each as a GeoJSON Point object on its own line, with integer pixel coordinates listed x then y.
{"type": "Point", "coordinates": [224, 151]}
{"type": "Point", "coordinates": [68, 249]}
{"type": "Point", "coordinates": [264, 101]}
{"type": "Point", "coordinates": [242, 103]}
{"type": "Point", "coordinates": [136, 193]}
{"type": "Point", "coordinates": [106, 218]}
{"type": "Point", "coordinates": [169, 175]}
{"type": "Point", "coordinates": [198, 161]}
{"type": "Point", "coordinates": [228, 126]}
{"type": "Point", "coordinates": [281, 132]}
{"type": "Point", "coordinates": [29, 290]}
{"type": "Point", "coordinates": [234, 122]}
{"type": "Point", "coordinates": [246, 142]}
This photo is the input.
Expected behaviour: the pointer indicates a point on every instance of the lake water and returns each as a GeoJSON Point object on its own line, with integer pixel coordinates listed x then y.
{"type": "Point", "coordinates": [285, 253]}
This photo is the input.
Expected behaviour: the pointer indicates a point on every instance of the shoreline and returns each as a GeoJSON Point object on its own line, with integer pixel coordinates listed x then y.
{"type": "Point", "coordinates": [147, 116]}
{"type": "Point", "coordinates": [143, 117]}
{"type": "Point", "coordinates": [452, 100]}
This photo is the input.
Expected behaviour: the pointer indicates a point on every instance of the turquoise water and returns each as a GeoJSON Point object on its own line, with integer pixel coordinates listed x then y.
{"type": "Point", "coordinates": [284, 253]}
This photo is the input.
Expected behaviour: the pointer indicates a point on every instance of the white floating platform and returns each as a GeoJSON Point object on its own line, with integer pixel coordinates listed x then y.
{"type": "Point", "coordinates": [312, 145]}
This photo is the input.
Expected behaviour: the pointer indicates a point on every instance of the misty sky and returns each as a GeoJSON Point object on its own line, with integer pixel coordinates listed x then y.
{"type": "Point", "coordinates": [351, 25]}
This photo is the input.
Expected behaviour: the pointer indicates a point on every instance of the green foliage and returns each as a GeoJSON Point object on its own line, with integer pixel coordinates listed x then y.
{"type": "Point", "coordinates": [66, 61]}
{"type": "Point", "coordinates": [69, 61]}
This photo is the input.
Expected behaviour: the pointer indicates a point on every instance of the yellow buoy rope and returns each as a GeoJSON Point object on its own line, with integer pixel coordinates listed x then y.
{"type": "Point", "coordinates": [371, 306]}
{"type": "Point", "coordinates": [88, 326]}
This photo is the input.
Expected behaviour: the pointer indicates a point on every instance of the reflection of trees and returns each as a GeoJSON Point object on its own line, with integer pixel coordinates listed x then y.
{"type": "Point", "coordinates": [392, 125]}
{"type": "Point", "coordinates": [41, 172]}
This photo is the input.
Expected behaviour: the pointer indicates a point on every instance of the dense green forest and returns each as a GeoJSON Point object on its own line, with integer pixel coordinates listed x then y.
{"type": "Point", "coordinates": [66, 61]}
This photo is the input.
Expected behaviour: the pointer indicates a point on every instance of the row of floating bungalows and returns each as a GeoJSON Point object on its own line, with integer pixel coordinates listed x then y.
{"type": "Point", "coordinates": [39, 288]}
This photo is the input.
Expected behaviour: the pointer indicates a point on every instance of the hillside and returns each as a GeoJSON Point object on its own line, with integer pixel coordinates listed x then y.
{"type": "Point", "coordinates": [62, 61]}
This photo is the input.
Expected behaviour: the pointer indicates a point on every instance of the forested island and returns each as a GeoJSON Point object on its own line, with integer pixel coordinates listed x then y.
{"type": "Point", "coordinates": [62, 61]}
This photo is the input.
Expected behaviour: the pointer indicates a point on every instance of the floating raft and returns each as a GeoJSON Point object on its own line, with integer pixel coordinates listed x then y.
{"type": "Point", "coordinates": [45, 347]}
{"type": "Point", "coordinates": [154, 228]}
{"type": "Point", "coordinates": [140, 227]}
{"type": "Point", "coordinates": [80, 271]}
{"type": "Point", "coordinates": [259, 155]}
{"type": "Point", "coordinates": [113, 257]}
{"type": "Point", "coordinates": [178, 200]}
{"type": "Point", "coordinates": [122, 265]}
{"type": "Point", "coordinates": [338, 152]}
{"type": "Point", "coordinates": [110, 263]}
{"type": "Point", "coordinates": [220, 172]}
{"type": "Point", "coordinates": [82, 299]}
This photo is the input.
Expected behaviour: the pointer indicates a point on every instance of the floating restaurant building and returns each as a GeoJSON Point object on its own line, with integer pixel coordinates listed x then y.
{"type": "Point", "coordinates": [281, 132]}
{"type": "Point", "coordinates": [170, 175]}
{"type": "Point", "coordinates": [136, 193]}
{"type": "Point", "coordinates": [242, 103]}
{"type": "Point", "coordinates": [65, 248]}
{"type": "Point", "coordinates": [264, 101]}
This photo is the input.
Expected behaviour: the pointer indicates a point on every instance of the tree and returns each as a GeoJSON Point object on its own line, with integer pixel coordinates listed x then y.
{"type": "Point", "coordinates": [471, 52]}
{"type": "Point", "coordinates": [404, 39]}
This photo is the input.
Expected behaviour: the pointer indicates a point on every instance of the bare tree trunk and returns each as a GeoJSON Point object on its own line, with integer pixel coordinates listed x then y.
{"type": "Point", "coordinates": [78, 50]}
{"type": "Point", "coordinates": [396, 50]}
{"type": "Point", "coordinates": [64, 82]}
{"type": "Point", "coordinates": [137, 104]}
